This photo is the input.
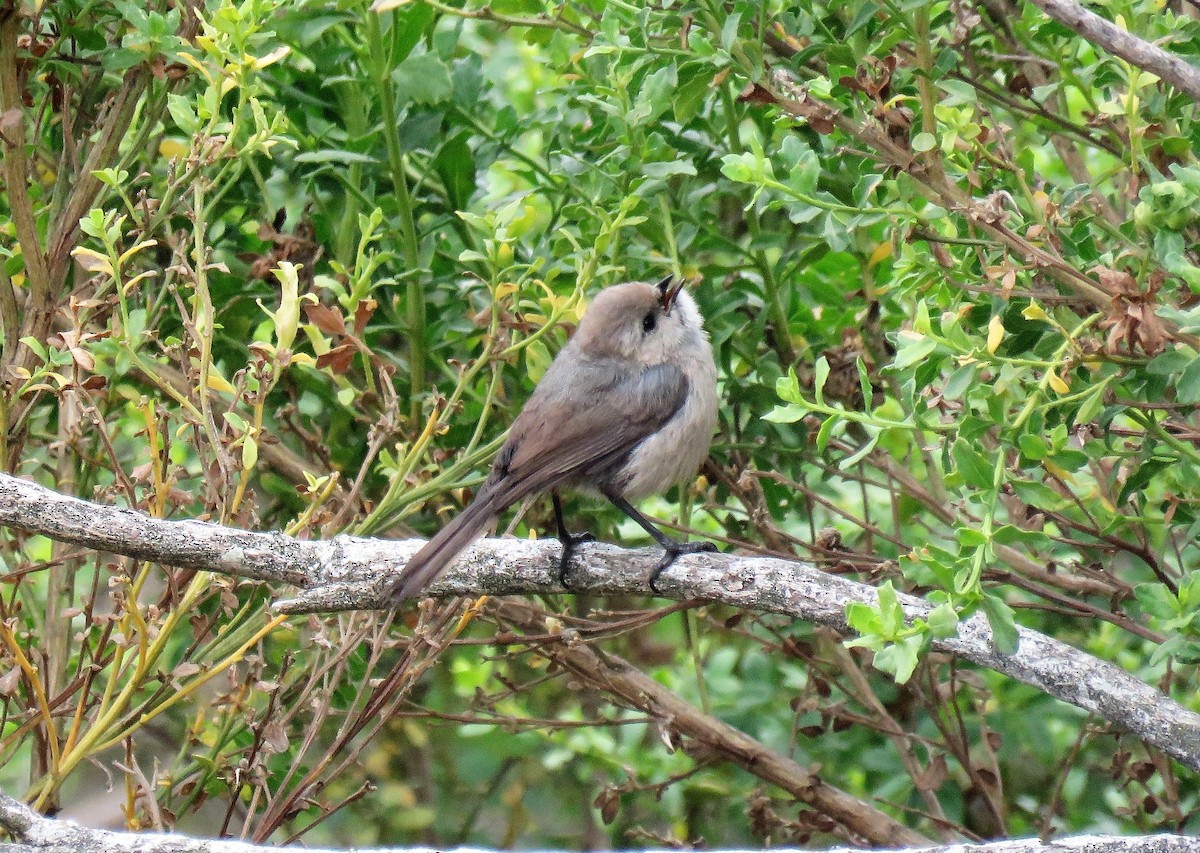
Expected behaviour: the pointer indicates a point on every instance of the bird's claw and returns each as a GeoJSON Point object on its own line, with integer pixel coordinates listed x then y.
{"type": "Point", "coordinates": [569, 544]}
{"type": "Point", "coordinates": [672, 553]}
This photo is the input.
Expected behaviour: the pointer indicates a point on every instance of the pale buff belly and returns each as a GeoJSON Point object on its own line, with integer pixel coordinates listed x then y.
{"type": "Point", "coordinates": [673, 454]}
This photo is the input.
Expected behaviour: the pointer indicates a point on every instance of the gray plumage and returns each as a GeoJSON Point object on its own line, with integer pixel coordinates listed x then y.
{"type": "Point", "coordinates": [627, 409]}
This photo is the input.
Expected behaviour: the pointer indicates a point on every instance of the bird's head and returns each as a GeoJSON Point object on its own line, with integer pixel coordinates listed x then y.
{"type": "Point", "coordinates": [641, 322]}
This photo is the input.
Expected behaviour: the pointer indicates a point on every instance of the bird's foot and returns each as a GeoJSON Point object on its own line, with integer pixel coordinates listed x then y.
{"type": "Point", "coordinates": [672, 552]}
{"type": "Point", "coordinates": [569, 543]}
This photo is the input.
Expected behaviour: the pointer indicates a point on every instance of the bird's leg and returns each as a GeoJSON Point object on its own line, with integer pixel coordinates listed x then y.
{"type": "Point", "coordinates": [568, 539]}
{"type": "Point", "coordinates": [672, 547]}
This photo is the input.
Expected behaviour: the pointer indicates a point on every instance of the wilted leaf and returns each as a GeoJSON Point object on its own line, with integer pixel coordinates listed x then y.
{"type": "Point", "coordinates": [995, 333]}
{"type": "Point", "coordinates": [328, 320]}
{"type": "Point", "coordinates": [9, 681]}
{"type": "Point", "coordinates": [1131, 321]}
{"type": "Point", "coordinates": [337, 359]}
{"type": "Point", "coordinates": [362, 313]}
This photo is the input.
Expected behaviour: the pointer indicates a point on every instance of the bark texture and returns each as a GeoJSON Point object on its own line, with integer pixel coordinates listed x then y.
{"type": "Point", "coordinates": [347, 573]}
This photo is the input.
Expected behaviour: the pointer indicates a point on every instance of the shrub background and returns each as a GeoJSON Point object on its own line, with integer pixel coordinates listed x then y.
{"type": "Point", "coordinates": [296, 265]}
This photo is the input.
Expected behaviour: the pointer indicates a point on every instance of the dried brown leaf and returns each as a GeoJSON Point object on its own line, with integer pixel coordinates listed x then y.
{"type": "Point", "coordinates": [9, 682]}
{"type": "Point", "coordinates": [362, 314]}
{"type": "Point", "coordinates": [328, 320]}
{"type": "Point", "coordinates": [337, 359]}
{"type": "Point", "coordinates": [1131, 322]}
{"type": "Point", "coordinates": [756, 94]}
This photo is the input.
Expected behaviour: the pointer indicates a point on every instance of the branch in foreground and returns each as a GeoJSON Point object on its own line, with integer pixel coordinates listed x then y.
{"type": "Point", "coordinates": [1176, 71]}
{"type": "Point", "coordinates": [37, 834]}
{"type": "Point", "coordinates": [347, 573]}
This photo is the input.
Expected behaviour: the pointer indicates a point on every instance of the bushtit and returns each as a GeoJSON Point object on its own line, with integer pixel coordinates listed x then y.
{"type": "Point", "coordinates": [626, 410]}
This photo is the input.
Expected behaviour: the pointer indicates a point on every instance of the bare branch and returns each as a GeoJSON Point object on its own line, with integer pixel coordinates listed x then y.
{"type": "Point", "coordinates": [708, 735]}
{"type": "Point", "coordinates": [39, 834]}
{"type": "Point", "coordinates": [347, 573]}
{"type": "Point", "coordinates": [1176, 71]}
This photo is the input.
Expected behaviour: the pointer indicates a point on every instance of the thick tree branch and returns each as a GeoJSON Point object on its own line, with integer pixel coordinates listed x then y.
{"type": "Point", "coordinates": [347, 573]}
{"type": "Point", "coordinates": [37, 834]}
{"type": "Point", "coordinates": [1174, 70]}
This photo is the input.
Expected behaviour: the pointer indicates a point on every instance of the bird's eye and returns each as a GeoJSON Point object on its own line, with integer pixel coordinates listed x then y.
{"type": "Point", "coordinates": [649, 322]}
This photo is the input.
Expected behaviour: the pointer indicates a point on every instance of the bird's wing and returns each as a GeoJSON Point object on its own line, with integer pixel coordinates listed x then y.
{"type": "Point", "coordinates": [579, 423]}
{"type": "Point", "coordinates": [584, 427]}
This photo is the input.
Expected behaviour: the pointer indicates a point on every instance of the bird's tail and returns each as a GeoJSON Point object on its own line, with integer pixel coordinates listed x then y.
{"type": "Point", "coordinates": [440, 551]}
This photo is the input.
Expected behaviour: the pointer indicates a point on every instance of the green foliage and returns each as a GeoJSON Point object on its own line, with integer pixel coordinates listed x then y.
{"type": "Point", "coordinates": [296, 265]}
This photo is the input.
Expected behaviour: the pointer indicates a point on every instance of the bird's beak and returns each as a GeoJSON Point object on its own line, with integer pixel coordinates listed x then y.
{"type": "Point", "coordinates": [669, 287]}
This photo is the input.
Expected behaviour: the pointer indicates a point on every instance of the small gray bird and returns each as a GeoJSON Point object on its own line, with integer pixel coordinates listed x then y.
{"type": "Point", "coordinates": [626, 410]}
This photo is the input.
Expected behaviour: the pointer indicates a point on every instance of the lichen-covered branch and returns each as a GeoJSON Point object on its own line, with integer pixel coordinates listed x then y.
{"type": "Point", "coordinates": [1146, 55]}
{"type": "Point", "coordinates": [37, 834]}
{"type": "Point", "coordinates": [347, 573]}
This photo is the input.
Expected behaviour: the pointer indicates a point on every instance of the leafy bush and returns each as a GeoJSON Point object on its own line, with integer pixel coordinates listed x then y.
{"type": "Point", "coordinates": [296, 265]}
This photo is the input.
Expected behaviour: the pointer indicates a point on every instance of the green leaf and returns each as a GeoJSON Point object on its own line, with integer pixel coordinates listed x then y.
{"type": "Point", "coordinates": [1008, 534]}
{"type": "Point", "coordinates": [914, 347]}
{"type": "Point", "coordinates": [820, 375]}
{"type": "Point", "coordinates": [1033, 447]}
{"type": "Point", "coordinates": [183, 114]}
{"type": "Point", "coordinates": [943, 620]}
{"type": "Point", "coordinates": [1170, 648]}
{"type": "Point", "coordinates": [1142, 475]}
{"type": "Point", "coordinates": [863, 618]}
{"type": "Point", "coordinates": [746, 168]}
{"type": "Point", "coordinates": [1038, 495]}
{"type": "Point", "coordinates": [414, 20]}
{"type": "Point", "coordinates": [1187, 389]}
{"type": "Point", "coordinates": [335, 155]}
{"type": "Point", "coordinates": [974, 469]}
{"type": "Point", "coordinates": [923, 142]}
{"type": "Point", "coordinates": [863, 190]}
{"type": "Point", "coordinates": [826, 432]}
{"type": "Point", "coordinates": [788, 414]}
{"type": "Point", "coordinates": [804, 166]}
{"type": "Point", "coordinates": [668, 168]}
{"type": "Point", "coordinates": [537, 359]}
{"type": "Point", "coordinates": [922, 325]}
{"type": "Point", "coordinates": [111, 177]}
{"type": "Point", "coordinates": [37, 346]}
{"type": "Point", "coordinates": [788, 388]}
{"type": "Point", "coordinates": [863, 15]}
{"type": "Point", "coordinates": [249, 453]}
{"type": "Point", "coordinates": [959, 381]}
{"type": "Point", "coordinates": [654, 97]}
{"type": "Point", "coordinates": [970, 537]}
{"type": "Point", "coordinates": [864, 384]}
{"type": "Point", "coordinates": [958, 91]}
{"type": "Point", "coordinates": [861, 453]}
{"type": "Point", "coordinates": [891, 614]}
{"type": "Point", "coordinates": [1091, 405]}
{"type": "Point", "coordinates": [1156, 600]}
{"type": "Point", "coordinates": [423, 79]}
{"type": "Point", "coordinates": [1070, 460]}
{"type": "Point", "coordinates": [1189, 593]}
{"type": "Point", "coordinates": [690, 95]}
{"type": "Point", "coordinates": [729, 31]}
{"type": "Point", "coordinates": [455, 165]}
{"type": "Point", "coordinates": [1004, 627]}
{"type": "Point", "coordinates": [900, 659]}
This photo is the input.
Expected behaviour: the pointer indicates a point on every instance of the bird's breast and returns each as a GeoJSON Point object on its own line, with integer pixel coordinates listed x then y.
{"type": "Point", "coordinates": [673, 454]}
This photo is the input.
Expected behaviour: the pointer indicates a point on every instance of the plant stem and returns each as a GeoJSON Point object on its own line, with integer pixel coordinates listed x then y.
{"type": "Point", "coordinates": [409, 242]}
